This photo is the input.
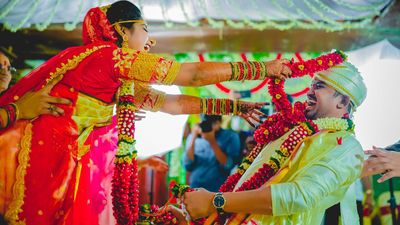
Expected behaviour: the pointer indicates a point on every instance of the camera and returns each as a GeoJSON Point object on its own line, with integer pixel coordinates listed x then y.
{"type": "Point", "coordinates": [208, 121]}
{"type": "Point", "coordinates": [394, 147]}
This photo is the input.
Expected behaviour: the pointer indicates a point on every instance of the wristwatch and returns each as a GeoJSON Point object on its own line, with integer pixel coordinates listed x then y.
{"type": "Point", "coordinates": [219, 203]}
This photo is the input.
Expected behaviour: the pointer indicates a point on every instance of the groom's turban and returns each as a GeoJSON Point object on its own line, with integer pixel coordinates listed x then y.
{"type": "Point", "coordinates": [347, 80]}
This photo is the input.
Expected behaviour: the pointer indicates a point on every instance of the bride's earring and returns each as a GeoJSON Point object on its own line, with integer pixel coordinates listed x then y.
{"type": "Point", "coordinates": [153, 42]}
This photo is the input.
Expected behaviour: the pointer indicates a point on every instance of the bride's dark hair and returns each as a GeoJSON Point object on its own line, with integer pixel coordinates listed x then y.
{"type": "Point", "coordinates": [123, 11]}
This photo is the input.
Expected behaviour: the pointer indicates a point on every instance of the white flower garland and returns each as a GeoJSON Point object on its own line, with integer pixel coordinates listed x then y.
{"type": "Point", "coordinates": [332, 123]}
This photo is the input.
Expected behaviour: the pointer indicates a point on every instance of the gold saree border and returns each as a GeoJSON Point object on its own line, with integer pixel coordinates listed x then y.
{"type": "Point", "coordinates": [73, 62]}
{"type": "Point", "coordinates": [15, 206]}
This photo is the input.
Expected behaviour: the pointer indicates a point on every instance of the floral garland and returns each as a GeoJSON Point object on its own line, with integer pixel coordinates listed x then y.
{"type": "Point", "coordinates": [178, 190]}
{"type": "Point", "coordinates": [297, 136]}
{"type": "Point", "coordinates": [152, 214]}
{"type": "Point", "coordinates": [286, 118]}
{"type": "Point", "coordinates": [125, 184]}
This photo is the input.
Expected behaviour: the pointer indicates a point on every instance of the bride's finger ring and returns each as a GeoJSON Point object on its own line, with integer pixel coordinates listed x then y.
{"type": "Point", "coordinates": [52, 108]}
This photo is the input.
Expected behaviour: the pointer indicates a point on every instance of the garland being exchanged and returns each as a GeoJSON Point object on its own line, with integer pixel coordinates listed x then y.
{"type": "Point", "coordinates": [125, 181]}
{"type": "Point", "coordinates": [287, 118]}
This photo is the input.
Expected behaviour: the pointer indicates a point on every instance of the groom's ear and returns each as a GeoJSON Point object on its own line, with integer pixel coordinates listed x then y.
{"type": "Point", "coordinates": [344, 102]}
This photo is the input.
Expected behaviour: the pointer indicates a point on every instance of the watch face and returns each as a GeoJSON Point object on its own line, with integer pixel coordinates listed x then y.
{"type": "Point", "coordinates": [219, 201]}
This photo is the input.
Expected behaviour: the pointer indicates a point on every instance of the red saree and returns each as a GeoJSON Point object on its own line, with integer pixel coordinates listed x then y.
{"type": "Point", "coordinates": [59, 169]}
{"type": "Point", "coordinates": [65, 163]}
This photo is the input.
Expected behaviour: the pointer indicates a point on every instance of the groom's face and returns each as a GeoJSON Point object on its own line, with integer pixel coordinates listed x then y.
{"type": "Point", "coordinates": [322, 101]}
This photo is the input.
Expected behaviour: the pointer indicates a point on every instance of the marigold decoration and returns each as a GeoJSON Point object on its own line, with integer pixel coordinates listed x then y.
{"type": "Point", "coordinates": [287, 117]}
{"type": "Point", "coordinates": [320, 63]}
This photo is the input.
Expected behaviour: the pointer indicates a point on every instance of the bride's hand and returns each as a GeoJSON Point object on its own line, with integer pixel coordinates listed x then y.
{"type": "Point", "coordinates": [278, 69]}
{"type": "Point", "coordinates": [250, 112]}
{"type": "Point", "coordinates": [139, 115]}
{"type": "Point", "coordinates": [178, 213]}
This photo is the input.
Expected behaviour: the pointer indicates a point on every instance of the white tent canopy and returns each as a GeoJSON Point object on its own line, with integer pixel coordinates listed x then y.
{"type": "Point", "coordinates": [24, 13]}
{"type": "Point", "coordinates": [377, 119]}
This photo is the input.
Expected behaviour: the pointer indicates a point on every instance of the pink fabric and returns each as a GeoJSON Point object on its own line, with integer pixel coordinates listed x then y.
{"type": "Point", "coordinates": [95, 203]}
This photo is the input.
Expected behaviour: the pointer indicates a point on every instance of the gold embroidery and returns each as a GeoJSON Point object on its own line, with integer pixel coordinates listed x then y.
{"type": "Point", "coordinates": [15, 207]}
{"type": "Point", "coordinates": [105, 8]}
{"type": "Point", "coordinates": [145, 67]}
{"type": "Point", "coordinates": [124, 59]}
{"type": "Point", "coordinates": [172, 73]}
{"type": "Point", "coordinates": [74, 62]}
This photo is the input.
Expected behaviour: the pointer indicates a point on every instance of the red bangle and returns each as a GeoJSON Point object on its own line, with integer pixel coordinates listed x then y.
{"type": "Point", "coordinates": [2, 125]}
{"type": "Point", "coordinates": [11, 114]}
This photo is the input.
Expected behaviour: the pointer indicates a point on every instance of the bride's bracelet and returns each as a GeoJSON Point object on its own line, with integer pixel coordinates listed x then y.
{"type": "Point", "coordinates": [250, 70]}
{"type": "Point", "coordinates": [216, 106]}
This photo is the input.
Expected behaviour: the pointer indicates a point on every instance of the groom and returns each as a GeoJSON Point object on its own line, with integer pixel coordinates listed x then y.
{"type": "Point", "coordinates": [317, 176]}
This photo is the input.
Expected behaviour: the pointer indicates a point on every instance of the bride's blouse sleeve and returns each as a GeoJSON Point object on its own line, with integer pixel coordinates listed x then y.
{"type": "Point", "coordinates": [144, 67]}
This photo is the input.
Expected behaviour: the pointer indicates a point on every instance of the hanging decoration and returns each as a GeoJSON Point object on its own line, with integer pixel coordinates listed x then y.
{"type": "Point", "coordinates": [72, 25]}
{"type": "Point", "coordinates": [15, 27]}
{"type": "Point", "coordinates": [305, 14]}
{"type": "Point", "coordinates": [10, 5]}
{"type": "Point", "coordinates": [44, 25]}
{"type": "Point", "coordinates": [188, 21]}
{"type": "Point", "coordinates": [167, 21]}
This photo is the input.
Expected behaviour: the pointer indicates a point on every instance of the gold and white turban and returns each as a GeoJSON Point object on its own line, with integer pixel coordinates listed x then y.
{"type": "Point", "coordinates": [347, 80]}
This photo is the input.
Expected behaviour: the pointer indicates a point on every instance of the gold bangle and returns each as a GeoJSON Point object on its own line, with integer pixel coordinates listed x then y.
{"type": "Point", "coordinates": [16, 111]}
{"type": "Point", "coordinates": [235, 107]}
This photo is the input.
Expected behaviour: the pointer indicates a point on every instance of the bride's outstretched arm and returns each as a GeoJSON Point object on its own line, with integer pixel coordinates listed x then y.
{"type": "Point", "coordinates": [204, 73]}
{"type": "Point", "coordinates": [185, 104]}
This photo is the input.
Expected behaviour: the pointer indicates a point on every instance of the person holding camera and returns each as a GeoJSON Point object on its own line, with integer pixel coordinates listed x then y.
{"type": "Point", "coordinates": [211, 153]}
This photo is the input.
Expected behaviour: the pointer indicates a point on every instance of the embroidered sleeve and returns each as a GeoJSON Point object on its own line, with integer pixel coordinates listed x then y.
{"type": "Point", "coordinates": [145, 67]}
{"type": "Point", "coordinates": [147, 98]}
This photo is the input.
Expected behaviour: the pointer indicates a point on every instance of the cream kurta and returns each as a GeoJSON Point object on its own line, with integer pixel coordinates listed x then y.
{"type": "Point", "coordinates": [319, 175]}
